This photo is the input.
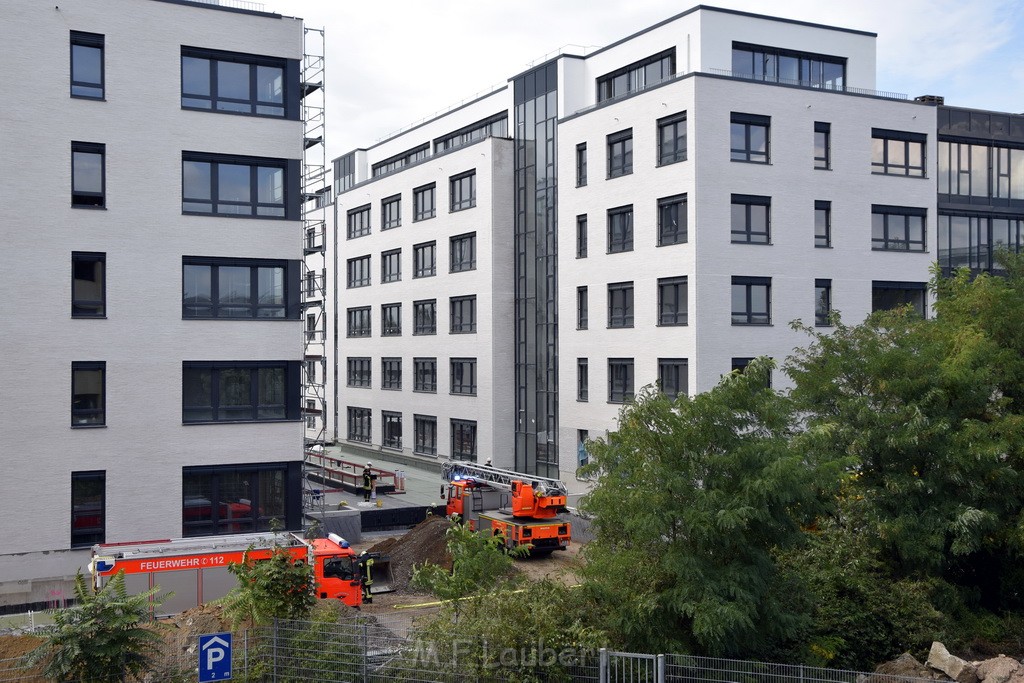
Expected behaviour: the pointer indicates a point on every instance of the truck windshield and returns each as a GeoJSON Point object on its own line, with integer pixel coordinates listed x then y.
{"type": "Point", "coordinates": [339, 568]}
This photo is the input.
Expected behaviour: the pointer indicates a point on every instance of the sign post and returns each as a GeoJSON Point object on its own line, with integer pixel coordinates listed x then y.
{"type": "Point", "coordinates": [214, 657]}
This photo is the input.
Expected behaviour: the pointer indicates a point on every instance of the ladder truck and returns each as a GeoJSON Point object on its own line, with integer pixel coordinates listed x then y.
{"type": "Point", "coordinates": [522, 509]}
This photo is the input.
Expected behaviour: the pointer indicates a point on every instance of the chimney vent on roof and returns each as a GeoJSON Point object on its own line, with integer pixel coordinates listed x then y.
{"type": "Point", "coordinates": [931, 99]}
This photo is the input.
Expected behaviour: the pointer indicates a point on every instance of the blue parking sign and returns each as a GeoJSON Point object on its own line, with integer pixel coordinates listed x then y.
{"type": "Point", "coordinates": [214, 657]}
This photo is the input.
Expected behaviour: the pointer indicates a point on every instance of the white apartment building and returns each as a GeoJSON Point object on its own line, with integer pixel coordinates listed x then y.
{"type": "Point", "coordinates": [152, 322]}
{"type": "Point", "coordinates": [673, 201]}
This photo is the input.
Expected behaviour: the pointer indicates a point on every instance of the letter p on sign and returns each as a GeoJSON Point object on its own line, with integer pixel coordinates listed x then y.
{"type": "Point", "coordinates": [214, 657]}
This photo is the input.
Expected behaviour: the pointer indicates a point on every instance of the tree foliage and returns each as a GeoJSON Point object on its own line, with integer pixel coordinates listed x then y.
{"type": "Point", "coordinates": [103, 638]}
{"type": "Point", "coordinates": [279, 587]}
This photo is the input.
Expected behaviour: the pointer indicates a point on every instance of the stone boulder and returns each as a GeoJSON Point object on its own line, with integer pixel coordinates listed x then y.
{"type": "Point", "coordinates": [958, 669]}
{"type": "Point", "coordinates": [999, 669]}
{"type": "Point", "coordinates": [906, 665]}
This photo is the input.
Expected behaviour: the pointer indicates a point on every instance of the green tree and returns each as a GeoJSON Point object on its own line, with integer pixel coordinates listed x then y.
{"type": "Point", "coordinates": [278, 587]}
{"type": "Point", "coordinates": [103, 638]}
{"type": "Point", "coordinates": [692, 498]}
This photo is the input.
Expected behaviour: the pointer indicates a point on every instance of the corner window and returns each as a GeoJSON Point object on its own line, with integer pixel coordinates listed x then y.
{"type": "Point", "coordinates": [232, 82]}
{"type": "Point", "coordinates": [391, 373]}
{"type": "Point", "coordinates": [424, 259]}
{"type": "Point", "coordinates": [898, 228]}
{"type": "Point", "coordinates": [87, 67]}
{"type": "Point", "coordinates": [749, 138]}
{"type": "Point", "coordinates": [886, 296]}
{"type": "Point", "coordinates": [88, 508]}
{"type": "Point", "coordinates": [221, 185]}
{"type": "Point", "coordinates": [88, 284]}
{"type": "Point", "coordinates": [822, 145]}
{"type": "Point", "coordinates": [822, 224]}
{"type": "Point", "coordinates": [391, 266]}
{"type": "Point", "coordinates": [582, 308]}
{"type": "Point", "coordinates": [232, 391]}
{"type": "Point", "coordinates": [581, 236]}
{"type": "Point", "coordinates": [239, 288]}
{"type": "Point", "coordinates": [975, 241]}
{"type": "Point", "coordinates": [425, 434]}
{"type": "Point", "coordinates": [582, 379]}
{"type": "Point", "coordinates": [88, 394]}
{"type": "Point", "coordinates": [463, 376]}
{"type": "Point", "coordinates": [672, 220]}
{"type": "Point", "coordinates": [424, 374]}
{"type": "Point", "coordinates": [391, 320]}
{"type": "Point", "coordinates": [358, 272]}
{"type": "Point", "coordinates": [620, 229]}
{"type": "Point", "coordinates": [391, 212]}
{"type": "Point", "coordinates": [463, 439]}
{"type": "Point", "coordinates": [358, 222]}
{"type": "Point", "coordinates": [620, 304]}
{"type": "Point", "coordinates": [672, 139]}
{"type": "Point", "coordinates": [359, 373]}
{"type": "Point", "coordinates": [463, 252]}
{"type": "Point", "coordinates": [895, 152]}
{"type": "Point", "coordinates": [360, 424]}
{"type": "Point", "coordinates": [637, 76]}
{"type": "Point", "coordinates": [424, 316]}
{"type": "Point", "coordinates": [462, 193]}
{"type": "Point", "coordinates": [672, 376]}
{"type": "Point", "coordinates": [672, 301]}
{"type": "Point", "coordinates": [620, 380]}
{"type": "Point", "coordinates": [463, 314]}
{"type": "Point", "coordinates": [822, 303]}
{"type": "Point", "coordinates": [423, 203]}
{"type": "Point", "coordinates": [228, 499]}
{"type": "Point", "coordinates": [392, 429]}
{"type": "Point", "coordinates": [581, 164]}
{"type": "Point", "coordinates": [358, 322]}
{"type": "Point", "coordinates": [751, 219]}
{"type": "Point", "coordinates": [620, 153]}
{"type": "Point", "coordinates": [751, 300]}
{"type": "Point", "coordinates": [88, 175]}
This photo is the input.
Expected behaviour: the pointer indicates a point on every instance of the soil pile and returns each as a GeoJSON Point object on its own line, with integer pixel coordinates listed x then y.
{"type": "Point", "coordinates": [426, 542]}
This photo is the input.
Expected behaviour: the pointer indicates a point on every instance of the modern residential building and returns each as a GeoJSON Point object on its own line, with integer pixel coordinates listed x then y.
{"type": "Point", "coordinates": [655, 212]}
{"type": "Point", "coordinates": [152, 323]}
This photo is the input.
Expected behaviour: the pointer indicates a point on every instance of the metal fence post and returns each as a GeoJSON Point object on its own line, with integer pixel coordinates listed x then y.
{"type": "Point", "coordinates": [602, 666]}
{"type": "Point", "coordinates": [245, 651]}
{"type": "Point", "coordinates": [660, 671]}
{"type": "Point", "coordinates": [274, 651]}
{"type": "Point", "coordinates": [366, 654]}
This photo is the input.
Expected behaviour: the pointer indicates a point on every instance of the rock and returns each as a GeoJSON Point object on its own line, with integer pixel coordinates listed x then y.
{"type": "Point", "coordinates": [905, 665]}
{"type": "Point", "coordinates": [958, 669]}
{"type": "Point", "coordinates": [998, 669]}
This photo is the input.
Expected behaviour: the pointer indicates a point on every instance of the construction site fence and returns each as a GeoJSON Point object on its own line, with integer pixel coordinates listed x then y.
{"type": "Point", "coordinates": [420, 645]}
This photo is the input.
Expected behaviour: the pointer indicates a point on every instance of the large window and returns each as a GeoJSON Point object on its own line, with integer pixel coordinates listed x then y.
{"type": "Point", "coordinates": [672, 139]}
{"type": "Point", "coordinates": [391, 320]}
{"type": "Point", "coordinates": [888, 295]}
{"type": "Point", "coordinates": [898, 228]}
{"type": "Point", "coordinates": [979, 170]}
{"type": "Point", "coordinates": [672, 376]}
{"type": "Point", "coordinates": [788, 66]}
{"type": "Point", "coordinates": [392, 429]}
{"type": "Point", "coordinates": [359, 372]}
{"type": "Point", "coordinates": [582, 379]}
{"type": "Point", "coordinates": [581, 164]}
{"type": "Point", "coordinates": [88, 508]}
{"type": "Point", "coordinates": [463, 439]}
{"type": "Point", "coordinates": [492, 126]}
{"type": "Point", "coordinates": [358, 322]}
{"type": "Point", "coordinates": [424, 258]}
{"type": "Point", "coordinates": [751, 300]}
{"type": "Point", "coordinates": [358, 222]}
{"type": "Point", "coordinates": [237, 83]}
{"type": "Point", "coordinates": [822, 303]}
{"type": "Point", "coordinates": [239, 288]}
{"type": "Point", "coordinates": [462, 193]}
{"type": "Point", "coordinates": [620, 229]}
{"type": "Point", "coordinates": [391, 212]}
{"type": "Point", "coordinates": [974, 242]}
{"type": "Point", "coordinates": [581, 236]}
{"type": "Point", "coordinates": [463, 314]}
{"type": "Point", "coordinates": [822, 224]}
{"type": "Point", "coordinates": [240, 391]}
{"type": "Point", "coordinates": [672, 220]}
{"type": "Point", "coordinates": [895, 152]}
{"type": "Point", "coordinates": [88, 175]}
{"type": "Point", "coordinates": [227, 499]}
{"type": "Point", "coordinates": [424, 316]}
{"type": "Point", "coordinates": [637, 76]}
{"type": "Point", "coordinates": [463, 371]}
{"type": "Point", "coordinates": [222, 185]}
{"type": "Point", "coordinates": [425, 435]}
{"type": "Point", "coordinates": [391, 266]}
{"type": "Point", "coordinates": [822, 145]}
{"type": "Point", "coordinates": [620, 380]}
{"type": "Point", "coordinates": [424, 376]}
{"type": "Point", "coordinates": [751, 219]}
{"type": "Point", "coordinates": [582, 308]}
{"type": "Point", "coordinates": [88, 284]}
{"type": "Point", "coordinates": [401, 160]}
{"type": "Point", "coordinates": [423, 202]}
{"type": "Point", "coordinates": [358, 269]}
{"type": "Point", "coordinates": [749, 137]}
{"type": "Point", "coordinates": [672, 301]}
{"type": "Point", "coordinates": [87, 67]}
{"type": "Point", "coordinates": [620, 304]}
{"type": "Point", "coordinates": [391, 373]}
{"type": "Point", "coordinates": [463, 252]}
{"type": "Point", "coordinates": [360, 424]}
{"type": "Point", "coordinates": [620, 153]}
{"type": "Point", "coordinates": [88, 394]}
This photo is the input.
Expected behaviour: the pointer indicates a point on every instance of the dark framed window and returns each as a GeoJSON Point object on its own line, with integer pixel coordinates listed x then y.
{"type": "Point", "coordinates": [582, 379]}
{"type": "Point", "coordinates": [888, 295]}
{"type": "Point", "coordinates": [425, 434]}
{"type": "Point", "coordinates": [672, 301]}
{"type": "Point", "coordinates": [463, 439]}
{"type": "Point", "coordinates": [822, 145]}
{"type": "Point", "coordinates": [581, 164]}
{"type": "Point", "coordinates": [311, 413]}
{"type": "Point", "coordinates": [391, 212]}
{"type": "Point", "coordinates": [462, 251]}
{"type": "Point", "coordinates": [252, 187]}
{"type": "Point", "coordinates": [310, 373]}
{"type": "Point", "coordinates": [620, 380]}
{"type": "Point", "coordinates": [788, 66]}
{"type": "Point", "coordinates": [87, 65]}
{"type": "Point", "coordinates": [424, 316]}
{"type": "Point", "coordinates": [672, 220]}
{"type": "Point", "coordinates": [822, 303]}
{"type": "Point", "coordinates": [582, 437]}
{"type": "Point", "coordinates": [358, 222]}
{"type": "Point", "coordinates": [88, 508]}
{"type": "Point", "coordinates": [391, 373]}
{"type": "Point", "coordinates": [424, 258]}
{"type": "Point", "coordinates": [974, 242]}
{"type": "Point", "coordinates": [358, 272]}
{"type": "Point", "coordinates": [751, 300]}
{"type": "Point", "coordinates": [227, 499]}
{"type": "Point", "coordinates": [88, 284]}
{"type": "Point", "coordinates": [822, 224]}
{"type": "Point", "coordinates": [312, 333]}
{"type": "Point", "coordinates": [392, 422]}
{"type": "Point", "coordinates": [462, 194]}
{"type": "Point", "coordinates": [240, 391]}
{"type": "Point", "coordinates": [637, 76]}
{"type": "Point", "coordinates": [88, 175]}
{"type": "Point", "coordinates": [238, 83]}
{"type": "Point", "coordinates": [88, 394]}
{"type": "Point", "coordinates": [239, 288]}
{"type": "Point", "coordinates": [751, 219]}
{"type": "Point", "coordinates": [672, 139]}
{"type": "Point", "coordinates": [620, 153]}
{"type": "Point", "coordinates": [493, 126]}
{"type": "Point", "coordinates": [582, 308]}
{"type": "Point", "coordinates": [749, 138]}
{"type": "Point", "coordinates": [391, 320]}
{"type": "Point", "coordinates": [358, 322]}
{"type": "Point", "coordinates": [360, 372]}
{"type": "Point", "coordinates": [581, 236]}
{"type": "Point", "coordinates": [620, 229]}
{"type": "Point", "coordinates": [673, 376]}
{"type": "Point", "coordinates": [463, 314]}
{"type": "Point", "coordinates": [620, 304]}
{"type": "Point", "coordinates": [463, 376]}
{"type": "Point", "coordinates": [401, 160]}
{"type": "Point", "coordinates": [424, 204]}
{"type": "Point", "coordinates": [740, 365]}
{"type": "Point", "coordinates": [391, 266]}
{"type": "Point", "coordinates": [360, 424]}
{"type": "Point", "coordinates": [896, 152]}
{"type": "Point", "coordinates": [898, 228]}
{"type": "Point", "coordinates": [424, 374]}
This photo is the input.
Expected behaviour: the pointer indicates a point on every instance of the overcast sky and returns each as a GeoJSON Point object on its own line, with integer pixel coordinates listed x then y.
{"type": "Point", "coordinates": [391, 63]}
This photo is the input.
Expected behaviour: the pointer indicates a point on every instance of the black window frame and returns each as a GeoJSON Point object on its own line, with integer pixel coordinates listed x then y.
{"type": "Point", "coordinates": [463, 376]}
{"type": "Point", "coordinates": [289, 409]}
{"type": "Point", "coordinates": [673, 150]}
{"type": "Point", "coordinates": [637, 76]}
{"type": "Point", "coordinates": [583, 379]}
{"type": "Point", "coordinates": [464, 432]}
{"type": "Point", "coordinates": [359, 424]}
{"type": "Point", "coordinates": [89, 41]}
{"type": "Point", "coordinates": [621, 380]}
{"type": "Point", "coordinates": [391, 438]}
{"type": "Point", "coordinates": [764, 64]}
{"type": "Point", "coordinates": [879, 287]}
{"type": "Point", "coordinates": [391, 319]}
{"type": "Point", "coordinates": [462, 191]}
{"type": "Point", "coordinates": [679, 289]}
{"type": "Point", "coordinates": [84, 534]}
{"type": "Point", "coordinates": [464, 247]}
{"type": "Point", "coordinates": [582, 308]}
{"type": "Point", "coordinates": [620, 229]}
{"type": "Point", "coordinates": [425, 434]}
{"type": "Point", "coordinates": [673, 376]}
{"type": "Point", "coordinates": [822, 224]}
{"type": "Point", "coordinates": [745, 232]}
{"type": "Point", "coordinates": [823, 133]}
{"type": "Point", "coordinates": [462, 326]}
{"type": "Point", "coordinates": [92, 412]}
{"type": "Point", "coordinates": [746, 123]}
{"type": "Point", "coordinates": [739, 364]}
{"type": "Point", "coordinates": [228, 515]}
{"type": "Point", "coordinates": [359, 372]}
{"type": "Point", "coordinates": [581, 236]}
{"type": "Point", "coordinates": [391, 373]}
{"type": "Point", "coordinates": [357, 222]}
{"type": "Point", "coordinates": [287, 209]}
{"type": "Point", "coordinates": [581, 164]}
{"type": "Point", "coordinates": [400, 160]}
{"type": "Point", "coordinates": [881, 164]}
{"type": "Point", "coordinates": [391, 212]}
{"type": "Point", "coordinates": [81, 306]}
{"type": "Point", "coordinates": [420, 267]}
{"type": "Point", "coordinates": [424, 317]}
{"type": "Point", "coordinates": [285, 108]}
{"type": "Point", "coordinates": [822, 302]}
{"type": "Point", "coordinates": [82, 198]}
{"type": "Point", "coordinates": [357, 272]}
{"type": "Point", "coordinates": [424, 202]}
{"type": "Point", "coordinates": [424, 375]}
{"type": "Point", "coordinates": [620, 153]}
{"type": "Point", "coordinates": [893, 235]}
{"type": "Point", "coordinates": [748, 316]}
{"type": "Point", "coordinates": [290, 306]}
{"type": "Point", "coordinates": [620, 305]}
{"type": "Point", "coordinates": [391, 266]}
{"type": "Point", "coordinates": [359, 322]}
{"type": "Point", "coordinates": [673, 226]}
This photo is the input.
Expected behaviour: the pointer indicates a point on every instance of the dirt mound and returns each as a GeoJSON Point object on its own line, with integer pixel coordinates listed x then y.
{"type": "Point", "coordinates": [426, 542]}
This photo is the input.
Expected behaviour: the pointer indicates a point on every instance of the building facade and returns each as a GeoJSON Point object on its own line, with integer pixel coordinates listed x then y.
{"type": "Point", "coordinates": [153, 317]}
